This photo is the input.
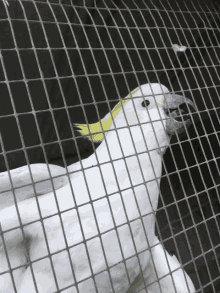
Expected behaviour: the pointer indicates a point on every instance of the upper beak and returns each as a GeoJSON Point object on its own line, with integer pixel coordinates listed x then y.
{"type": "Point", "coordinates": [173, 106]}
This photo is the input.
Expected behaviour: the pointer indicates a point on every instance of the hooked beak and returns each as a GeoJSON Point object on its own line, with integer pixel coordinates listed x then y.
{"type": "Point", "coordinates": [173, 106]}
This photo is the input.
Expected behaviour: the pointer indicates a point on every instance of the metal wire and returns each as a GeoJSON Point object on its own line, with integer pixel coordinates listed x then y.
{"type": "Point", "coordinates": [126, 11]}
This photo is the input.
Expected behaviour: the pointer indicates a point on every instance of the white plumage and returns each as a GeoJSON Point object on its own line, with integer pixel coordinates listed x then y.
{"type": "Point", "coordinates": [125, 172]}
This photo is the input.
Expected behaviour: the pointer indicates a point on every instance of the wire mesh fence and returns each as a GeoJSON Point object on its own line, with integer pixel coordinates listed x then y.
{"type": "Point", "coordinates": [64, 66]}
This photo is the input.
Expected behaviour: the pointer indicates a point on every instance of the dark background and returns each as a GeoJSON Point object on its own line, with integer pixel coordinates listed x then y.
{"type": "Point", "coordinates": [65, 64]}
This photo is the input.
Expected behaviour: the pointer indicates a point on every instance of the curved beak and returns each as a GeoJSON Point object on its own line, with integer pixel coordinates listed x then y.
{"type": "Point", "coordinates": [173, 106]}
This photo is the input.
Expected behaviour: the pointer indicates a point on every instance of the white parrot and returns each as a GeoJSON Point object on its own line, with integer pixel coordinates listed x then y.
{"type": "Point", "coordinates": [99, 221]}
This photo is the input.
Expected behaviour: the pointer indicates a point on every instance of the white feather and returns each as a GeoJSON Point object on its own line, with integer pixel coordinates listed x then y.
{"type": "Point", "coordinates": [128, 176]}
{"type": "Point", "coordinates": [178, 48]}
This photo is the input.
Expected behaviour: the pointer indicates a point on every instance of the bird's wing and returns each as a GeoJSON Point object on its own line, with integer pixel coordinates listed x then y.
{"type": "Point", "coordinates": [21, 178]}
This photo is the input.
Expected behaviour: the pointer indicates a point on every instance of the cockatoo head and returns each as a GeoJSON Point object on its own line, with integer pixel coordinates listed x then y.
{"type": "Point", "coordinates": [150, 106]}
{"type": "Point", "coordinates": [151, 102]}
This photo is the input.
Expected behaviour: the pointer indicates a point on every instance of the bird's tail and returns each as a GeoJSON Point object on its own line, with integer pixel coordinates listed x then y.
{"type": "Point", "coordinates": [165, 273]}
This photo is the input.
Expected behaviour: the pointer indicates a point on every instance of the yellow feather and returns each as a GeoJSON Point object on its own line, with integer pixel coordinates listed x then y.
{"type": "Point", "coordinates": [96, 131]}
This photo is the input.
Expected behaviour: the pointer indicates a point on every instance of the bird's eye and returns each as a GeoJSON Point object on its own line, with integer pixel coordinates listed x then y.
{"type": "Point", "coordinates": [145, 103]}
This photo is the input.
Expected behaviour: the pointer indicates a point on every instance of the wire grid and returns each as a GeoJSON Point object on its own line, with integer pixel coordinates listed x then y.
{"type": "Point", "coordinates": [64, 6]}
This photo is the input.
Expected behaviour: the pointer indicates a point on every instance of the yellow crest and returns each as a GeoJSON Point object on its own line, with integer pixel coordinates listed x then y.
{"type": "Point", "coordinates": [96, 131]}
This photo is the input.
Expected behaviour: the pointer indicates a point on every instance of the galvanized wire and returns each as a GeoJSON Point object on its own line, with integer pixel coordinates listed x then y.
{"type": "Point", "coordinates": [96, 103]}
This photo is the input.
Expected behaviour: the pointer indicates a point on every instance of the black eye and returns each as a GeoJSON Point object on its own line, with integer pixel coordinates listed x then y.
{"type": "Point", "coordinates": [145, 103]}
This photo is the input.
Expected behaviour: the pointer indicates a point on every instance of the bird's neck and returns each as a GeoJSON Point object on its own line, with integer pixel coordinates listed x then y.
{"type": "Point", "coordinates": [130, 142]}
{"type": "Point", "coordinates": [123, 157]}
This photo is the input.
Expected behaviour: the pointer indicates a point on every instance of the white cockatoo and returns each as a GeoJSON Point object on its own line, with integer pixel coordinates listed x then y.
{"type": "Point", "coordinates": [93, 230]}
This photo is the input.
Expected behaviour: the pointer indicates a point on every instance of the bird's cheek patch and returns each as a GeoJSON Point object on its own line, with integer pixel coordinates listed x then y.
{"type": "Point", "coordinates": [160, 104]}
